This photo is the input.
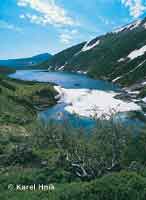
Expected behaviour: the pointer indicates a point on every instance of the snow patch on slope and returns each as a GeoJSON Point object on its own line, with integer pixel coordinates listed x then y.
{"type": "Point", "coordinates": [116, 79]}
{"type": "Point", "coordinates": [144, 99]}
{"type": "Point", "coordinates": [144, 25]}
{"type": "Point", "coordinates": [131, 71]}
{"type": "Point", "coordinates": [144, 83]}
{"type": "Point", "coordinates": [88, 47]}
{"type": "Point", "coordinates": [82, 72]}
{"type": "Point", "coordinates": [61, 68]}
{"type": "Point", "coordinates": [128, 27]}
{"type": "Point", "coordinates": [136, 53]}
{"type": "Point", "coordinates": [121, 60]}
{"type": "Point", "coordinates": [93, 103]}
{"type": "Point", "coordinates": [135, 24]}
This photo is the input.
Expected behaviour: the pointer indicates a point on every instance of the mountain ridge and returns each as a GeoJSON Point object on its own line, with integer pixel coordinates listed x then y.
{"type": "Point", "coordinates": [108, 56]}
{"type": "Point", "coordinates": [26, 62]}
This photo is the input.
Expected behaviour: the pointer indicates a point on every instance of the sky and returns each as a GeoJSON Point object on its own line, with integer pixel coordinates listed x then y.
{"type": "Point", "coordinates": [31, 27]}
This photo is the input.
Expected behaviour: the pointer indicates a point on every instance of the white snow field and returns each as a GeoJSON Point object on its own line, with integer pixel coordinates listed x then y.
{"type": "Point", "coordinates": [93, 103]}
{"type": "Point", "coordinates": [88, 47]}
{"type": "Point", "coordinates": [136, 53]}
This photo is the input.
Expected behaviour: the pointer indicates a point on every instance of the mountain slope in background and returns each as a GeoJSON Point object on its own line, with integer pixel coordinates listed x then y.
{"type": "Point", "coordinates": [119, 56]}
{"type": "Point", "coordinates": [26, 62]}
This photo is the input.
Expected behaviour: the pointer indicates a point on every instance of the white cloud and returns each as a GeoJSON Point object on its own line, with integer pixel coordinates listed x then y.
{"type": "Point", "coordinates": [22, 16]}
{"type": "Point", "coordinates": [36, 19]}
{"type": "Point", "coordinates": [67, 36]}
{"type": "Point", "coordinates": [6, 25]}
{"type": "Point", "coordinates": [48, 12]}
{"type": "Point", "coordinates": [136, 7]}
{"type": "Point", "coordinates": [106, 21]}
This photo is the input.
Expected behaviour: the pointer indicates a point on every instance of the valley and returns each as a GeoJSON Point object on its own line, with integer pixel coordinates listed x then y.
{"type": "Point", "coordinates": [61, 120]}
{"type": "Point", "coordinates": [34, 152]}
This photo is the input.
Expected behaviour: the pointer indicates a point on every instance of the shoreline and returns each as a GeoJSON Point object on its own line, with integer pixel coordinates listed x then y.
{"type": "Point", "coordinates": [90, 102]}
{"type": "Point", "coordinates": [22, 100]}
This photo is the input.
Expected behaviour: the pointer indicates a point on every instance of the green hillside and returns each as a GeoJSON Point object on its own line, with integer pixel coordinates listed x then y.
{"type": "Point", "coordinates": [20, 100]}
{"type": "Point", "coordinates": [6, 70]}
{"type": "Point", "coordinates": [109, 58]}
{"type": "Point", "coordinates": [26, 63]}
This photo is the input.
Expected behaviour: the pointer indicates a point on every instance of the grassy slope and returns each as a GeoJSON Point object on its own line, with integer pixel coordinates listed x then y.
{"type": "Point", "coordinates": [6, 70]}
{"type": "Point", "coordinates": [20, 100]}
{"type": "Point", "coordinates": [31, 153]}
{"type": "Point", "coordinates": [22, 158]}
{"type": "Point", "coordinates": [61, 58]}
{"type": "Point", "coordinates": [118, 186]}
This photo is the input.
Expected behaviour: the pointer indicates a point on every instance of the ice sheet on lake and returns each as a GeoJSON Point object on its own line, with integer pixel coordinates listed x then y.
{"type": "Point", "coordinates": [93, 103]}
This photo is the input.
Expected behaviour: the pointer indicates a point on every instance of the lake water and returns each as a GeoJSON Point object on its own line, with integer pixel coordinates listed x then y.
{"type": "Point", "coordinates": [64, 79]}
{"type": "Point", "coordinates": [67, 81]}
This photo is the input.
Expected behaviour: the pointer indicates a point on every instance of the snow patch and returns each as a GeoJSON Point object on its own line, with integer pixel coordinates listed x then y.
{"type": "Point", "coordinates": [144, 25]}
{"type": "Point", "coordinates": [61, 68]}
{"type": "Point", "coordinates": [56, 68]}
{"type": "Point", "coordinates": [144, 99]}
{"type": "Point", "coordinates": [121, 60]}
{"type": "Point", "coordinates": [129, 26]}
{"type": "Point", "coordinates": [135, 24]}
{"type": "Point", "coordinates": [136, 53]}
{"type": "Point", "coordinates": [133, 92]}
{"type": "Point", "coordinates": [144, 83]}
{"type": "Point", "coordinates": [116, 79]}
{"type": "Point", "coordinates": [82, 72]}
{"type": "Point", "coordinates": [118, 30]}
{"type": "Point", "coordinates": [122, 28]}
{"type": "Point", "coordinates": [50, 67]}
{"type": "Point", "coordinates": [93, 103]}
{"type": "Point", "coordinates": [88, 47]}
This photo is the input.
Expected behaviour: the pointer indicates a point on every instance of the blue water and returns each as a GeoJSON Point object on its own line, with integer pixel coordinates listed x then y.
{"type": "Point", "coordinates": [66, 80]}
